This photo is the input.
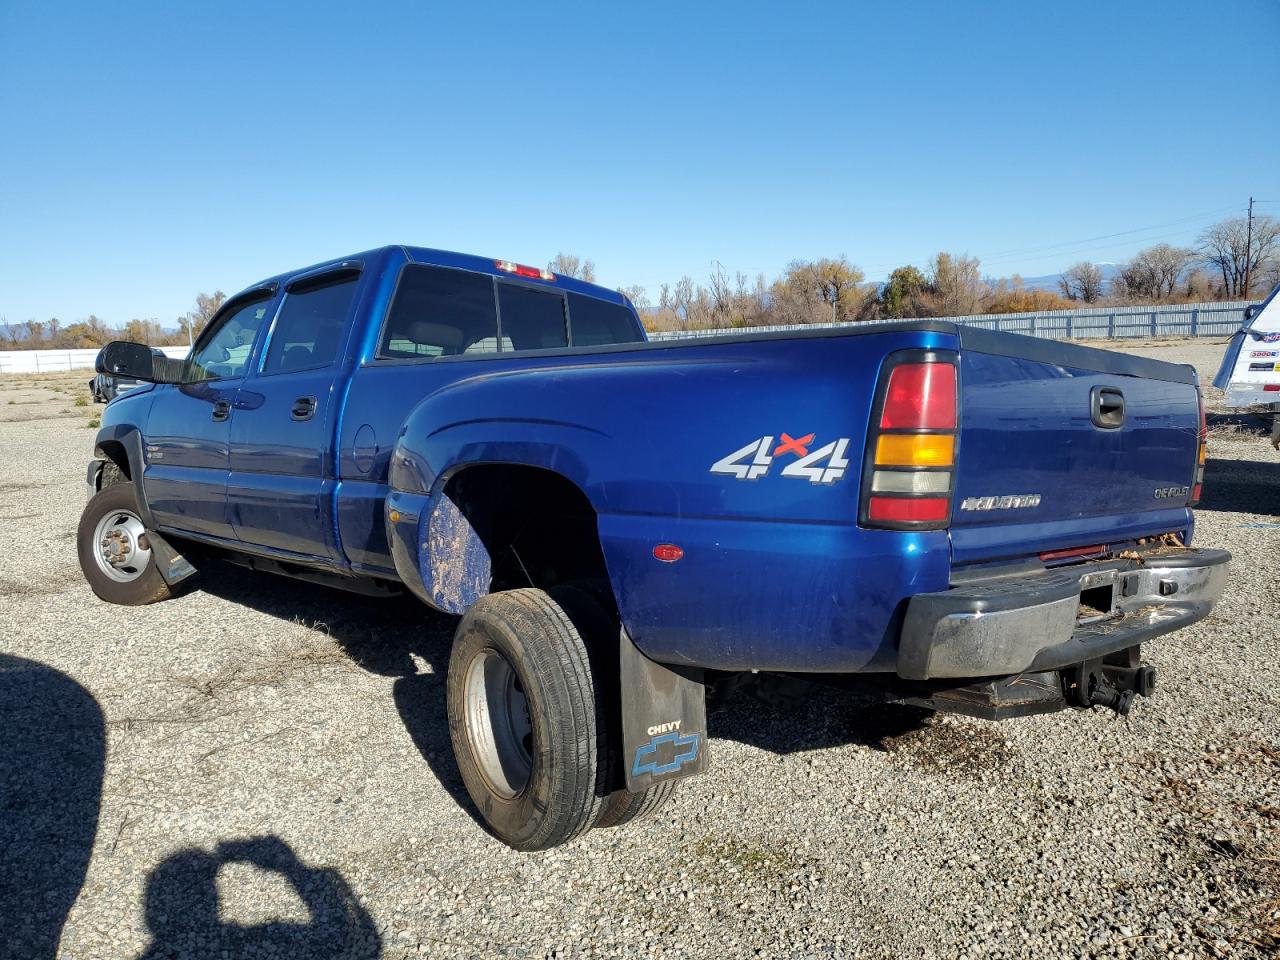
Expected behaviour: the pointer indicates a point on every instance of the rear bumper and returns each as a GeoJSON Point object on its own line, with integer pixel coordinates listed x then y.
{"type": "Point", "coordinates": [1012, 625]}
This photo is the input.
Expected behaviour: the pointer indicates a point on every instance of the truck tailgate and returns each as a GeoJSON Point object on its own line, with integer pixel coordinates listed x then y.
{"type": "Point", "coordinates": [1063, 446]}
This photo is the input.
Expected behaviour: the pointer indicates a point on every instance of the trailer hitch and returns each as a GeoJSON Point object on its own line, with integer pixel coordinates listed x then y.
{"type": "Point", "coordinates": [1096, 683]}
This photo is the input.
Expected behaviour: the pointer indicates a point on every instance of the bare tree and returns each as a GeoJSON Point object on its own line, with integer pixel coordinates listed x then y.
{"type": "Point", "coordinates": [956, 285]}
{"type": "Point", "coordinates": [637, 295]}
{"type": "Point", "coordinates": [720, 293]}
{"type": "Point", "coordinates": [819, 291]}
{"type": "Point", "coordinates": [567, 265]}
{"type": "Point", "coordinates": [682, 298]}
{"type": "Point", "coordinates": [1153, 273]}
{"type": "Point", "coordinates": [1225, 248]}
{"type": "Point", "coordinates": [1082, 281]}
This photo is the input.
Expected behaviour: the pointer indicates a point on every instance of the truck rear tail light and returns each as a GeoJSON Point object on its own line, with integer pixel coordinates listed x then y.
{"type": "Point", "coordinates": [920, 396]}
{"type": "Point", "coordinates": [908, 469]}
{"type": "Point", "coordinates": [1202, 446]}
{"type": "Point", "coordinates": [523, 270]}
{"type": "Point", "coordinates": [915, 450]}
{"type": "Point", "coordinates": [911, 481]}
{"type": "Point", "coordinates": [895, 511]}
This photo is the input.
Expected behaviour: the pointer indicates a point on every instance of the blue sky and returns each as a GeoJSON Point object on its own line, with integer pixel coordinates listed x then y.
{"type": "Point", "coordinates": [153, 151]}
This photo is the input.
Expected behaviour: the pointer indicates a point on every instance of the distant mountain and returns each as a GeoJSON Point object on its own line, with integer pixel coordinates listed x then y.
{"type": "Point", "coordinates": [1050, 280]}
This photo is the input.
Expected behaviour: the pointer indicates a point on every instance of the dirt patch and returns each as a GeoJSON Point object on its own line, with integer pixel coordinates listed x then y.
{"type": "Point", "coordinates": [967, 749]}
{"type": "Point", "coordinates": [46, 586]}
{"type": "Point", "coordinates": [1218, 839]}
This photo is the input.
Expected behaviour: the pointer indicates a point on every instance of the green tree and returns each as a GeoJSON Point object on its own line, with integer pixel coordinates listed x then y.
{"type": "Point", "coordinates": [901, 294]}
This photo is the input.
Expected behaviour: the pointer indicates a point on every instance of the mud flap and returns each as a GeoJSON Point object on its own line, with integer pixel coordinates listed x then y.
{"type": "Point", "coordinates": [664, 719]}
{"type": "Point", "coordinates": [173, 566]}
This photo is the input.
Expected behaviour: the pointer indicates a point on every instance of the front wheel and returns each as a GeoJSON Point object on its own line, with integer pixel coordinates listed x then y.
{"type": "Point", "coordinates": [115, 552]}
{"type": "Point", "coordinates": [525, 720]}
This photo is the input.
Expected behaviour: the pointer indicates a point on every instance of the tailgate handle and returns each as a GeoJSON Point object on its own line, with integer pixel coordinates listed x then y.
{"type": "Point", "coordinates": [1106, 407]}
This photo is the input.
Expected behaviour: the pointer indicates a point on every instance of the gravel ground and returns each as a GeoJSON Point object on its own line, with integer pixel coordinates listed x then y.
{"type": "Point", "coordinates": [262, 768]}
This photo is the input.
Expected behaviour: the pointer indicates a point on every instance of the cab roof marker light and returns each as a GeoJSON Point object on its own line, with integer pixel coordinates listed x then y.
{"type": "Point", "coordinates": [524, 270]}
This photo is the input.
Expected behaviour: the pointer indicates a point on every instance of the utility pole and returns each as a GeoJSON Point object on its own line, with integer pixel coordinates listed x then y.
{"type": "Point", "coordinates": [1248, 249]}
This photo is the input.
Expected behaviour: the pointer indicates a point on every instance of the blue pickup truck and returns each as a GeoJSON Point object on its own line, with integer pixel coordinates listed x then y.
{"type": "Point", "coordinates": [956, 518]}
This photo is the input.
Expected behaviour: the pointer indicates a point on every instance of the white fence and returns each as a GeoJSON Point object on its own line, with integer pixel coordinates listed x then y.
{"type": "Point", "coordinates": [1170, 320]}
{"type": "Point", "coordinates": [60, 361]}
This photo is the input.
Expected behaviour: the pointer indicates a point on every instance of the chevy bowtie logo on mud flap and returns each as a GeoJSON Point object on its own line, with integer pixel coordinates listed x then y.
{"type": "Point", "coordinates": [666, 753]}
{"type": "Point", "coordinates": [827, 464]}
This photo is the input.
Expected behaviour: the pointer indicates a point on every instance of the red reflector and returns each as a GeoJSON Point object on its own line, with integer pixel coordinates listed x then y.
{"type": "Point", "coordinates": [908, 509]}
{"type": "Point", "coordinates": [1073, 552]}
{"type": "Point", "coordinates": [1195, 493]}
{"type": "Point", "coordinates": [921, 396]}
{"type": "Point", "coordinates": [667, 552]}
{"type": "Point", "coordinates": [1271, 388]}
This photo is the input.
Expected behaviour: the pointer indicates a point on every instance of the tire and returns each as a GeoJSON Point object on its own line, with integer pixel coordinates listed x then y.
{"type": "Point", "coordinates": [122, 570]}
{"type": "Point", "coordinates": [623, 806]}
{"type": "Point", "coordinates": [111, 475]}
{"type": "Point", "coordinates": [586, 606]}
{"type": "Point", "coordinates": [525, 720]}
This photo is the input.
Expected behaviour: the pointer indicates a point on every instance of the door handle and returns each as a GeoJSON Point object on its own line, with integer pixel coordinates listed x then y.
{"type": "Point", "coordinates": [1106, 407]}
{"type": "Point", "coordinates": [221, 410]}
{"type": "Point", "coordinates": [304, 408]}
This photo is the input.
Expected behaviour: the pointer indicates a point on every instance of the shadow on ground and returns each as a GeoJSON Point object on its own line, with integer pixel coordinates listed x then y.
{"type": "Point", "coordinates": [183, 909]}
{"type": "Point", "coordinates": [385, 635]}
{"type": "Point", "coordinates": [52, 752]}
{"type": "Point", "coordinates": [1242, 486]}
{"type": "Point", "coordinates": [1240, 421]}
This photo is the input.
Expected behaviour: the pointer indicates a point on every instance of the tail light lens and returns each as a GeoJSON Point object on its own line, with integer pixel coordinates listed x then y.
{"type": "Point", "coordinates": [523, 270]}
{"type": "Point", "coordinates": [1202, 446]}
{"type": "Point", "coordinates": [909, 473]}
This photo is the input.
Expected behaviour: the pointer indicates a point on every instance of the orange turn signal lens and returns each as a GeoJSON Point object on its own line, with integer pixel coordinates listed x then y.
{"type": "Point", "coordinates": [915, 450]}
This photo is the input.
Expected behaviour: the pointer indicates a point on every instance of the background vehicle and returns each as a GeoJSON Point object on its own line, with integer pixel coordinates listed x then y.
{"type": "Point", "coordinates": [969, 520]}
{"type": "Point", "coordinates": [1250, 371]}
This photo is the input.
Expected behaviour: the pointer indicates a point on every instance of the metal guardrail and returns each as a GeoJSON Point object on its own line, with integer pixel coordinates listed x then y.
{"type": "Point", "coordinates": [1105, 323]}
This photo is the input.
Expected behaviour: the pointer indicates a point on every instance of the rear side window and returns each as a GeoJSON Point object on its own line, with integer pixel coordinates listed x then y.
{"type": "Point", "coordinates": [440, 312]}
{"type": "Point", "coordinates": [531, 319]}
{"type": "Point", "coordinates": [598, 322]}
{"type": "Point", "coordinates": [308, 332]}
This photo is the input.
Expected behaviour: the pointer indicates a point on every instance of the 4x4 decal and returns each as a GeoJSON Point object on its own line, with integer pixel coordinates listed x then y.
{"type": "Point", "coordinates": [827, 464]}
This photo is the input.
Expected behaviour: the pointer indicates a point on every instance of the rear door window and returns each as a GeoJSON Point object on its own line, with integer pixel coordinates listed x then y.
{"type": "Point", "coordinates": [599, 322]}
{"type": "Point", "coordinates": [308, 332]}
{"type": "Point", "coordinates": [440, 312]}
{"type": "Point", "coordinates": [531, 319]}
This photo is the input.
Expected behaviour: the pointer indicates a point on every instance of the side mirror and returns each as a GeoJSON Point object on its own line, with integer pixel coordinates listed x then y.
{"type": "Point", "coordinates": [1250, 312]}
{"type": "Point", "coordinates": [120, 358]}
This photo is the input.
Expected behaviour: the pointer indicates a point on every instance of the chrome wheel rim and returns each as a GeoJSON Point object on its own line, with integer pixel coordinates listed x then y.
{"type": "Point", "coordinates": [120, 546]}
{"type": "Point", "coordinates": [499, 728]}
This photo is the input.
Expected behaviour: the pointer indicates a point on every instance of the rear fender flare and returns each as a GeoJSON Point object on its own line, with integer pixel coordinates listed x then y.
{"type": "Point", "coordinates": [447, 564]}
